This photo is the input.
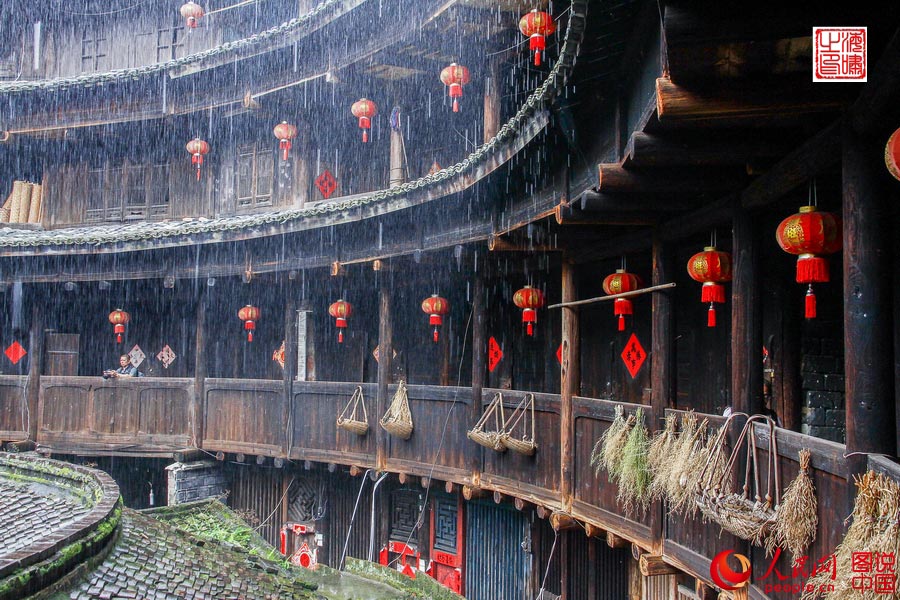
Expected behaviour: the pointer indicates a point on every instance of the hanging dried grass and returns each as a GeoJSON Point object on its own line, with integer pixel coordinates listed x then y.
{"type": "Point", "coordinates": [875, 528]}
{"type": "Point", "coordinates": [634, 470]}
{"type": "Point", "coordinates": [598, 454]}
{"type": "Point", "coordinates": [658, 458]}
{"type": "Point", "coordinates": [795, 525]}
{"type": "Point", "coordinates": [690, 462]}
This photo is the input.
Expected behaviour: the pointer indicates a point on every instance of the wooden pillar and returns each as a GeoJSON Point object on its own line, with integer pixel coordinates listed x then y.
{"type": "Point", "coordinates": [302, 175]}
{"type": "Point", "coordinates": [570, 382]}
{"type": "Point", "coordinates": [397, 172]}
{"type": "Point", "coordinates": [565, 550]}
{"type": "Point", "coordinates": [290, 362]}
{"type": "Point", "coordinates": [746, 324]}
{"type": "Point", "coordinates": [385, 350]}
{"type": "Point", "coordinates": [868, 347]}
{"type": "Point", "coordinates": [492, 101]}
{"type": "Point", "coordinates": [479, 354]}
{"type": "Point", "coordinates": [35, 362]}
{"type": "Point", "coordinates": [198, 402]}
{"type": "Point", "coordinates": [787, 385]}
{"type": "Point", "coordinates": [662, 357]}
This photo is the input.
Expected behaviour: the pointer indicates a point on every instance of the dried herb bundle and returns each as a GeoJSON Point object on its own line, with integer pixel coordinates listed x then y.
{"type": "Point", "coordinates": [634, 471]}
{"type": "Point", "coordinates": [795, 526]}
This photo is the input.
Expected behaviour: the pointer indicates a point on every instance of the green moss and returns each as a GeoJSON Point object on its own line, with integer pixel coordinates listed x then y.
{"type": "Point", "coordinates": [422, 586]}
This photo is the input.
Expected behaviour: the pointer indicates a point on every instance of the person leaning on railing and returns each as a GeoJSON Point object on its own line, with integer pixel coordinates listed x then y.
{"type": "Point", "coordinates": [126, 369]}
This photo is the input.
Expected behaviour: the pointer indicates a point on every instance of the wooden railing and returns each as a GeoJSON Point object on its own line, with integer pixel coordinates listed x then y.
{"type": "Point", "coordinates": [152, 416]}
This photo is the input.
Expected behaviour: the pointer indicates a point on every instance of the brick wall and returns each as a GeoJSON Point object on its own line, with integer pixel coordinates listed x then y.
{"type": "Point", "coordinates": [822, 369]}
{"type": "Point", "coordinates": [189, 482]}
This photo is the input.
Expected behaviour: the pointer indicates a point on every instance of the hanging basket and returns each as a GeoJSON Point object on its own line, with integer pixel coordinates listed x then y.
{"type": "Point", "coordinates": [398, 420]}
{"type": "Point", "coordinates": [490, 439]}
{"type": "Point", "coordinates": [522, 444]}
{"type": "Point", "coordinates": [751, 513]}
{"type": "Point", "coordinates": [352, 422]}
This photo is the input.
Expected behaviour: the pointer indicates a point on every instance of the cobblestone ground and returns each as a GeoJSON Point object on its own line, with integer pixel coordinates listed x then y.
{"type": "Point", "coordinates": [28, 515]}
{"type": "Point", "coordinates": [152, 561]}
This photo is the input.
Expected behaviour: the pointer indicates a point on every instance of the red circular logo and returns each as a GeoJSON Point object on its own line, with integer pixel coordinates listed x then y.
{"type": "Point", "coordinates": [724, 576]}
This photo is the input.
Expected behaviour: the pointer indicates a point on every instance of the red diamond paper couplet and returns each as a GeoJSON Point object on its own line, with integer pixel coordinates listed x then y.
{"type": "Point", "coordinates": [15, 352]}
{"type": "Point", "coordinates": [495, 354]}
{"type": "Point", "coordinates": [326, 183]}
{"type": "Point", "coordinates": [633, 355]}
{"type": "Point", "coordinates": [559, 354]}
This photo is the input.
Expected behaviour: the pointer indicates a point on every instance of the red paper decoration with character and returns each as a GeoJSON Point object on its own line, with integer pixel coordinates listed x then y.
{"type": "Point", "coordinates": [455, 77]}
{"type": "Point", "coordinates": [249, 315]}
{"type": "Point", "coordinates": [618, 283]}
{"type": "Point", "coordinates": [341, 311]}
{"type": "Point", "coordinates": [285, 133]}
{"type": "Point", "coordinates": [536, 26]}
{"type": "Point", "coordinates": [435, 307]}
{"type": "Point", "coordinates": [810, 234]}
{"type": "Point", "coordinates": [119, 318]}
{"type": "Point", "coordinates": [364, 110]}
{"type": "Point", "coordinates": [711, 268]}
{"type": "Point", "coordinates": [197, 148]}
{"type": "Point", "coordinates": [529, 299]}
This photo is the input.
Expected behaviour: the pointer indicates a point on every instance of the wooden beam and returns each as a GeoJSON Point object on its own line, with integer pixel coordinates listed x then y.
{"type": "Point", "coordinates": [498, 497]}
{"type": "Point", "coordinates": [568, 215]}
{"type": "Point", "coordinates": [704, 592]}
{"type": "Point", "coordinates": [614, 541]}
{"type": "Point", "coordinates": [746, 321]}
{"type": "Point", "coordinates": [592, 201]}
{"type": "Point", "coordinates": [425, 482]}
{"type": "Point", "coordinates": [652, 150]}
{"type": "Point", "coordinates": [735, 61]}
{"type": "Point", "coordinates": [560, 521]}
{"type": "Point", "coordinates": [289, 372]}
{"type": "Point", "coordinates": [278, 462]}
{"type": "Point", "coordinates": [220, 456]}
{"type": "Point", "coordinates": [189, 455]}
{"type": "Point", "coordinates": [385, 346]}
{"type": "Point", "coordinates": [403, 478]}
{"type": "Point", "coordinates": [450, 487]}
{"type": "Point", "coordinates": [570, 381]}
{"type": "Point", "coordinates": [662, 356]}
{"type": "Point", "coordinates": [260, 459]}
{"type": "Point", "coordinates": [35, 364]}
{"type": "Point", "coordinates": [592, 531]}
{"type": "Point", "coordinates": [868, 230]}
{"type": "Point", "coordinates": [543, 512]}
{"type": "Point", "coordinates": [198, 400]}
{"type": "Point", "coordinates": [472, 493]}
{"type": "Point", "coordinates": [521, 505]}
{"type": "Point", "coordinates": [240, 457]}
{"type": "Point", "coordinates": [479, 365]}
{"type": "Point", "coordinates": [615, 179]}
{"type": "Point", "coordinates": [877, 104]}
{"type": "Point", "coordinates": [745, 106]}
{"type": "Point", "coordinates": [356, 471]}
{"type": "Point", "coordinates": [652, 566]}
{"type": "Point", "coordinates": [332, 467]}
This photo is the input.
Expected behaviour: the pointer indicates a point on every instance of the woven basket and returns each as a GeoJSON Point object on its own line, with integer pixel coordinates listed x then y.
{"type": "Point", "coordinates": [490, 439]}
{"type": "Point", "coordinates": [749, 518]}
{"type": "Point", "coordinates": [351, 422]}
{"type": "Point", "coordinates": [398, 420]}
{"type": "Point", "coordinates": [526, 447]}
{"type": "Point", "coordinates": [522, 444]}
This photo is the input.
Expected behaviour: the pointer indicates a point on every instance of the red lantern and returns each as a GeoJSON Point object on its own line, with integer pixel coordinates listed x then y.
{"type": "Point", "coordinates": [435, 307]}
{"type": "Point", "coordinates": [892, 154]}
{"type": "Point", "coordinates": [197, 149]}
{"type": "Point", "coordinates": [249, 315]}
{"type": "Point", "coordinates": [537, 25]}
{"type": "Point", "coordinates": [192, 12]}
{"type": "Point", "coordinates": [618, 283]}
{"type": "Point", "coordinates": [529, 299]}
{"type": "Point", "coordinates": [808, 234]}
{"type": "Point", "coordinates": [119, 318]}
{"type": "Point", "coordinates": [285, 133]}
{"type": "Point", "coordinates": [341, 311]}
{"type": "Point", "coordinates": [711, 268]}
{"type": "Point", "coordinates": [455, 77]}
{"type": "Point", "coordinates": [364, 110]}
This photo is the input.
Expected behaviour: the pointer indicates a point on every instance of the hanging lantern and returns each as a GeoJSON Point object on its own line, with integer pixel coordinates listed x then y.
{"type": "Point", "coordinates": [711, 268]}
{"type": "Point", "coordinates": [618, 283]}
{"type": "Point", "coordinates": [435, 307]}
{"type": "Point", "coordinates": [249, 315]}
{"type": "Point", "coordinates": [455, 77]}
{"type": "Point", "coordinates": [808, 234]}
{"type": "Point", "coordinates": [197, 148]}
{"type": "Point", "coordinates": [192, 12]}
{"type": "Point", "coordinates": [529, 299]}
{"type": "Point", "coordinates": [537, 25]}
{"type": "Point", "coordinates": [364, 110]}
{"type": "Point", "coordinates": [119, 318]}
{"type": "Point", "coordinates": [285, 133]}
{"type": "Point", "coordinates": [892, 154]}
{"type": "Point", "coordinates": [341, 311]}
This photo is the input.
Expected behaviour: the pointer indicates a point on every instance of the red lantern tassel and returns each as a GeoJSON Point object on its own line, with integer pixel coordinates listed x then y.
{"type": "Point", "coordinates": [537, 58]}
{"type": "Point", "coordinates": [249, 336]}
{"type": "Point", "coordinates": [621, 322]}
{"type": "Point", "coordinates": [455, 105]}
{"type": "Point", "coordinates": [435, 335]}
{"type": "Point", "coordinates": [529, 329]}
{"type": "Point", "coordinates": [711, 315]}
{"type": "Point", "coordinates": [622, 307]}
{"type": "Point", "coordinates": [712, 292]}
{"type": "Point", "coordinates": [812, 269]}
{"type": "Point", "coordinates": [365, 136]}
{"type": "Point", "coordinates": [285, 145]}
{"type": "Point", "coordinates": [810, 303]}
{"type": "Point", "coordinates": [341, 336]}
{"type": "Point", "coordinates": [118, 338]}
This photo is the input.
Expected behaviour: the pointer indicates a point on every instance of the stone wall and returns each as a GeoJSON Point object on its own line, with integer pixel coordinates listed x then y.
{"type": "Point", "coordinates": [189, 482]}
{"type": "Point", "coordinates": [822, 370]}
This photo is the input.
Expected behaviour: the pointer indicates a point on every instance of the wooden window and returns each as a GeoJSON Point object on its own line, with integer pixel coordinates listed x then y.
{"type": "Point", "coordinates": [170, 40]}
{"type": "Point", "coordinates": [128, 193]}
{"type": "Point", "coordinates": [94, 51]}
{"type": "Point", "coordinates": [254, 176]}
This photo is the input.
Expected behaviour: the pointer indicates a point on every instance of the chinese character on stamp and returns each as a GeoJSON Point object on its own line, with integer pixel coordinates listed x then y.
{"type": "Point", "coordinates": [839, 54]}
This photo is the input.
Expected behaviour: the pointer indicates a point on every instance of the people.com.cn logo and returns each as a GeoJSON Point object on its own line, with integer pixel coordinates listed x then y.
{"type": "Point", "coordinates": [724, 576]}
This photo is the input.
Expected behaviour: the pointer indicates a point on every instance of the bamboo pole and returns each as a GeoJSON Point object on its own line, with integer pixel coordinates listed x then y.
{"type": "Point", "coordinates": [647, 290]}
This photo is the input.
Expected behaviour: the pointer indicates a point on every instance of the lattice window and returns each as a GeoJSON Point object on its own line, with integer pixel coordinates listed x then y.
{"type": "Point", "coordinates": [404, 514]}
{"type": "Point", "coordinates": [128, 193]}
{"type": "Point", "coordinates": [255, 176]}
{"type": "Point", "coordinates": [170, 40]}
{"type": "Point", "coordinates": [94, 51]}
{"type": "Point", "coordinates": [445, 524]}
